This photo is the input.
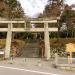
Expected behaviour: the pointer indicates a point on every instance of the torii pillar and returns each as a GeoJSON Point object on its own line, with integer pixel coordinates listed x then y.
{"type": "Point", "coordinates": [47, 41]}
{"type": "Point", "coordinates": [8, 41]}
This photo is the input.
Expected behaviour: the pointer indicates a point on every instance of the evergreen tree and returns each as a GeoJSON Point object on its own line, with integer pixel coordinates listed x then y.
{"type": "Point", "coordinates": [53, 9]}
{"type": "Point", "coordinates": [11, 9]}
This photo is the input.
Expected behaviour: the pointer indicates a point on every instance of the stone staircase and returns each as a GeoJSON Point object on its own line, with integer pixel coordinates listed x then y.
{"type": "Point", "coordinates": [30, 50]}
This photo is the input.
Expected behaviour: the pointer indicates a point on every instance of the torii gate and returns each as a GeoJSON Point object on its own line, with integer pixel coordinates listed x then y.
{"type": "Point", "coordinates": [11, 29]}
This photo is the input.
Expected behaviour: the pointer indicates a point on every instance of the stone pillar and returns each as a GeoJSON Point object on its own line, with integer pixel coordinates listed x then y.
{"type": "Point", "coordinates": [47, 43]}
{"type": "Point", "coordinates": [8, 41]}
{"type": "Point", "coordinates": [56, 58]}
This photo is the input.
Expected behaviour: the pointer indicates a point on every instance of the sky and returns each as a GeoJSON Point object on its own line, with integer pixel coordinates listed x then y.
{"type": "Point", "coordinates": [33, 8]}
{"type": "Point", "coordinates": [70, 2]}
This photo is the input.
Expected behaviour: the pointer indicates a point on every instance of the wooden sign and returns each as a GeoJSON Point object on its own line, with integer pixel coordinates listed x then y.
{"type": "Point", "coordinates": [70, 47]}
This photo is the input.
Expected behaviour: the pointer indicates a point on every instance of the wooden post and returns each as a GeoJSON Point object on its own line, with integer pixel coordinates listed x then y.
{"type": "Point", "coordinates": [70, 58]}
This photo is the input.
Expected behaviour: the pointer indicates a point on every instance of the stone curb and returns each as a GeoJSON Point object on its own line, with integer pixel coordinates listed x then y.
{"type": "Point", "coordinates": [68, 67]}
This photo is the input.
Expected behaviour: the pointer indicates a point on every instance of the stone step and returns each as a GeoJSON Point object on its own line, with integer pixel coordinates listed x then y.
{"type": "Point", "coordinates": [29, 50]}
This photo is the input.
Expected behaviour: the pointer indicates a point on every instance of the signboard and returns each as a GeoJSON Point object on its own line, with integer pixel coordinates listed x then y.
{"type": "Point", "coordinates": [70, 47]}
{"type": "Point", "coordinates": [1, 52]}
